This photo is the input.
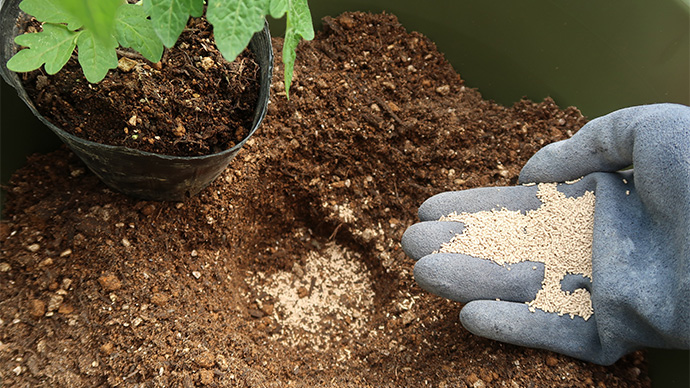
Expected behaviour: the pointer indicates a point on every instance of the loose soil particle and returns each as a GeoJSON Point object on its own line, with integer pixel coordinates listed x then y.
{"type": "Point", "coordinates": [377, 122]}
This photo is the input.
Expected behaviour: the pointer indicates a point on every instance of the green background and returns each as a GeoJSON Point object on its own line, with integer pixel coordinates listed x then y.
{"type": "Point", "coordinates": [596, 55]}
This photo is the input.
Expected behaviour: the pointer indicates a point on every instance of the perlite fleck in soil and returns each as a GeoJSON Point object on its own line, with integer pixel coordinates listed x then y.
{"type": "Point", "coordinates": [558, 234]}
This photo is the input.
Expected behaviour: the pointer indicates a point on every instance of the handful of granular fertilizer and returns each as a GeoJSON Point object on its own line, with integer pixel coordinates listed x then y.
{"type": "Point", "coordinates": [558, 234]}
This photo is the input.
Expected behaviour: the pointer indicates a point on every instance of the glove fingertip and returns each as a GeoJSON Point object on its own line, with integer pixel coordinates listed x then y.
{"type": "Point", "coordinates": [437, 206]}
{"type": "Point", "coordinates": [424, 238]}
{"type": "Point", "coordinates": [549, 164]}
{"type": "Point", "coordinates": [479, 319]}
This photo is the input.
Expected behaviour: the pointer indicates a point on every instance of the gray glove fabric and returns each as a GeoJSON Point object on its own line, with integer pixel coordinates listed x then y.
{"type": "Point", "coordinates": [640, 286]}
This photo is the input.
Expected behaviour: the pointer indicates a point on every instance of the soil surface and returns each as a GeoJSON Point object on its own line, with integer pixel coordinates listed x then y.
{"type": "Point", "coordinates": [164, 107]}
{"type": "Point", "coordinates": [287, 270]}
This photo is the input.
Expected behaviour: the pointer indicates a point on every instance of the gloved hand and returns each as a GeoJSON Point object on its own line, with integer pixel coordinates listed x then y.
{"type": "Point", "coordinates": [640, 251]}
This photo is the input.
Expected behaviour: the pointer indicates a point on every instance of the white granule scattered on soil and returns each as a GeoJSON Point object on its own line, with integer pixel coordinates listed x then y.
{"type": "Point", "coordinates": [330, 296]}
{"type": "Point", "coordinates": [558, 234]}
{"type": "Point", "coordinates": [344, 212]}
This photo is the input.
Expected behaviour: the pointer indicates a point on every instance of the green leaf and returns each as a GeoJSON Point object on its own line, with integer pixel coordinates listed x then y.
{"type": "Point", "coordinates": [146, 5]}
{"type": "Point", "coordinates": [170, 17]}
{"type": "Point", "coordinates": [97, 16]}
{"type": "Point", "coordinates": [96, 56]}
{"type": "Point", "coordinates": [234, 23]}
{"type": "Point", "coordinates": [277, 8]}
{"type": "Point", "coordinates": [53, 46]}
{"type": "Point", "coordinates": [301, 19]}
{"type": "Point", "coordinates": [133, 29]}
{"type": "Point", "coordinates": [50, 11]}
{"type": "Point", "coordinates": [298, 26]}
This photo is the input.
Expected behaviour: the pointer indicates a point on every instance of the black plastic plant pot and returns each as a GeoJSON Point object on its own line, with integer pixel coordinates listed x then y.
{"type": "Point", "coordinates": [137, 173]}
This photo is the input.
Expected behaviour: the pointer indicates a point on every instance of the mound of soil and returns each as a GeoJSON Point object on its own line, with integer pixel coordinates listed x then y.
{"type": "Point", "coordinates": [287, 270]}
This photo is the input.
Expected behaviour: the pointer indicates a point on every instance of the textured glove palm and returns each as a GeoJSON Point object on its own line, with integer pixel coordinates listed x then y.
{"type": "Point", "coordinates": [640, 283]}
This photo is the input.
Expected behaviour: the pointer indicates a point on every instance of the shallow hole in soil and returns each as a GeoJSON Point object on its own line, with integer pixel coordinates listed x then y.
{"type": "Point", "coordinates": [283, 240]}
{"type": "Point", "coordinates": [325, 300]}
{"type": "Point", "coordinates": [323, 295]}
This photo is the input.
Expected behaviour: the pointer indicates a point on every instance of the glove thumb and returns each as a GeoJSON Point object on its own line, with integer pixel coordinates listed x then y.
{"type": "Point", "coordinates": [610, 143]}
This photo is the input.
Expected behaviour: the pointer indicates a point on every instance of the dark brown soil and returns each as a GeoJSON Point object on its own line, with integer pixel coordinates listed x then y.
{"type": "Point", "coordinates": [98, 289]}
{"type": "Point", "coordinates": [193, 102]}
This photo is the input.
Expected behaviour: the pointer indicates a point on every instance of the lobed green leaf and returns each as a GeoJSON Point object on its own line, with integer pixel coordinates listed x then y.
{"type": "Point", "coordinates": [277, 8]}
{"type": "Point", "coordinates": [302, 23]}
{"type": "Point", "coordinates": [170, 17]}
{"type": "Point", "coordinates": [298, 26]}
{"type": "Point", "coordinates": [96, 56]}
{"type": "Point", "coordinates": [53, 47]}
{"type": "Point", "coordinates": [234, 23]}
{"type": "Point", "coordinates": [146, 5]}
{"type": "Point", "coordinates": [101, 24]}
{"type": "Point", "coordinates": [50, 11]}
{"type": "Point", "coordinates": [97, 16]}
{"type": "Point", "coordinates": [133, 29]}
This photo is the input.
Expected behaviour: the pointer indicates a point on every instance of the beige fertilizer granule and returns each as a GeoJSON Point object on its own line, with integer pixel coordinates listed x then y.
{"type": "Point", "coordinates": [558, 234]}
{"type": "Point", "coordinates": [330, 295]}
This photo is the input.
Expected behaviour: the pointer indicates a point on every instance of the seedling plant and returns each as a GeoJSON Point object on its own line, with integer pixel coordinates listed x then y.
{"type": "Point", "coordinates": [96, 28]}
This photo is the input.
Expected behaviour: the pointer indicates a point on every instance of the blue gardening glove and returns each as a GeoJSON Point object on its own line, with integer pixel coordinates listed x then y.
{"type": "Point", "coordinates": [640, 242]}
